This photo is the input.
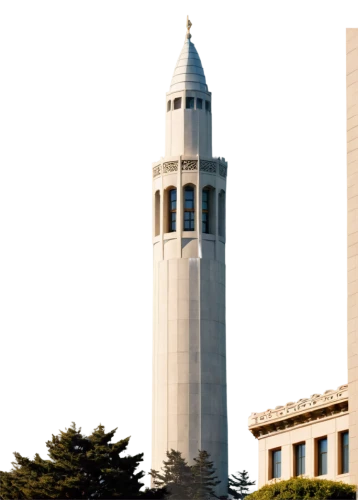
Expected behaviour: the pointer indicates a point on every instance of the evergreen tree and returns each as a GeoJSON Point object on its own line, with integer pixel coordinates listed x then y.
{"type": "Point", "coordinates": [239, 486]}
{"type": "Point", "coordinates": [204, 479]}
{"type": "Point", "coordinates": [175, 475]}
{"type": "Point", "coordinates": [78, 467]}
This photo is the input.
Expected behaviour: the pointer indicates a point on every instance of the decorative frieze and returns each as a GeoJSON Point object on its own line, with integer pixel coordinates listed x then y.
{"type": "Point", "coordinates": [156, 170]}
{"type": "Point", "coordinates": [170, 166]}
{"type": "Point", "coordinates": [222, 170]}
{"type": "Point", "coordinates": [208, 166]}
{"type": "Point", "coordinates": [189, 165]}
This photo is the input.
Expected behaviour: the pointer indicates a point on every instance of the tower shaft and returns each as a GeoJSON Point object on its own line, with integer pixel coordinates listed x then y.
{"type": "Point", "coordinates": [189, 353]}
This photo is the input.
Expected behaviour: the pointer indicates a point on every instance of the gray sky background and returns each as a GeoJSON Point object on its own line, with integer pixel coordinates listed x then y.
{"type": "Point", "coordinates": [82, 110]}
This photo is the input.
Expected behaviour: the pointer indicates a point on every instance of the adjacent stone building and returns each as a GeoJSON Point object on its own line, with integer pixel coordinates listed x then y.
{"type": "Point", "coordinates": [317, 437]}
{"type": "Point", "coordinates": [308, 437]}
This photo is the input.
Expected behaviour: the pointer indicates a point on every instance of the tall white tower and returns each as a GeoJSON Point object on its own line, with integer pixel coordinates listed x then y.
{"type": "Point", "coordinates": [189, 353]}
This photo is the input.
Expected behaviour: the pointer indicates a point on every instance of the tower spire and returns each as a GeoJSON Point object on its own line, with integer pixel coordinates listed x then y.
{"type": "Point", "coordinates": [188, 26]}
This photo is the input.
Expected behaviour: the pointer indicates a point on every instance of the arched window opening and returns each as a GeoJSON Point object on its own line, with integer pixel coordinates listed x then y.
{"type": "Point", "coordinates": [189, 212]}
{"type": "Point", "coordinates": [172, 210]}
{"type": "Point", "coordinates": [157, 214]}
{"type": "Point", "coordinates": [207, 105]}
{"type": "Point", "coordinates": [177, 103]}
{"type": "Point", "coordinates": [205, 205]}
{"type": "Point", "coordinates": [169, 105]}
{"type": "Point", "coordinates": [222, 213]}
{"type": "Point", "coordinates": [199, 103]}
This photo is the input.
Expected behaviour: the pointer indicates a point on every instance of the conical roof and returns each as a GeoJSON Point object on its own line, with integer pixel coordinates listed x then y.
{"type": "Point", "coordinates": [188, 73]}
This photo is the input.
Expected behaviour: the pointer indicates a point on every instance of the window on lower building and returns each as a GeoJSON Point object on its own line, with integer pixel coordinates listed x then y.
{"type": "Point", "coordinates": [276, 464]}
{"type": "Point", "coordinates": [190, 103]}
{"type": "Point", "coordinates": [199, 104]}
{"type": "Point", "coordinates": [177, 103]}
{"type": "Point", "coordinates": [345, 452]}
{"type": "Point", "coordinates": [207, 105]}
{"type": "Point", "coordinates": [172, 210]}
{"type": "Point", "coordinates": [300, 455]}
{"type": "Point", "coordinates": [322, 450]}
{"type": "Point", "coordinates": [189, 212]}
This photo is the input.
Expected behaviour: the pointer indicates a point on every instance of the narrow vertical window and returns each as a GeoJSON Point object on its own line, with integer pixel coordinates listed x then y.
{"type": "Point", "coordinates": [222, 214]}
{"type": "Point", "coordinates": [189, 212]}
{"type": "Point", "coordinates": [157, 214]}
{"type": "Point", "coordinates": [207, 106]}
{"type": "Point", "coordinates": [199, 103]}
{"type": "Point", "coordinates": [190, 103]}
{"type": "Point", "coordinates": [172, 210]}
{"type": "Point", "coordinates": [300, 459]}
{"type": "Point", "coordinates": [205, 210]}
{"type": "Point", "coordinates": [276, 464]}
{"type": "Point", "coordinates": [322, 456]}
{"type": "Point", "coordinates": [169, 105]}
{"type": "Point", "coordinates": [177, 103]}
{"type": "Point", "coordinates": [345, 452]}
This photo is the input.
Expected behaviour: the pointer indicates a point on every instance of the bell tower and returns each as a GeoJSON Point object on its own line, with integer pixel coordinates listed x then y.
{"type": "Point", "coordinates": [189, 349]}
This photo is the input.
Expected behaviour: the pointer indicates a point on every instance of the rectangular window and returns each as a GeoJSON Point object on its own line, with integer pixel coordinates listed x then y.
{"type": "Point", "coordinates": [199, 104]}
{"type": "Point", "coordinates": [300, 458]}
{"type": "Point", "coordinates": [177, 103]}
{"type": "Point", "coordinates": [276, 464]}
{"type": "Point", "coordinates": [207, 105]}
{"type": "Point", "coordinates": [190, 103]}
{"type": "Point", "coordinates": [345, 452]}
{"type": "Point", "coordinates": [189, 213]}
{"type": "Point", "coordinates": [188, 221]}
{"type": "Point", "coordinates": [322, 450]}
{"type": "Point", "coordinates": [172, 210]}
{"type": "Point", "coordinates": [189, 198]}
{"type": "Point", "coordinates": [168, 105]}
{"type": "Point", "coordinates": [205, 211]}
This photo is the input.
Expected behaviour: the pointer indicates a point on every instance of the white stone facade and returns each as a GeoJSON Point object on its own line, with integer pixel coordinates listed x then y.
{"type": "Point", "coordinates": [189, 358]}
{"type": "Point", "coordinates": [352, 242]}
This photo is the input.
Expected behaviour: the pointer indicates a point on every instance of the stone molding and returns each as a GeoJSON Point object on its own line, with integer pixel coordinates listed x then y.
{"type": "Point", "coordinates": [208, 166]}
{"type": "Point", "coordinates": [317, 407]}
{"type": "Point", "coordinates": [189, 165]}
{"type": "Point", "coordinates": [170, 166]}
{"type": "Point", "coordinates": [157, 170]}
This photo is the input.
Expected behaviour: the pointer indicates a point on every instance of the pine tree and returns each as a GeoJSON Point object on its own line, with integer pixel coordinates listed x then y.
{"type": "Point", "coordinates": [239, 486]}
{"type": "Point", "coordinates": [175, 475]}
{"type": "Point", "coordinates": [204, 479]}
{"type": "Point", "coordinates": [78, 467]}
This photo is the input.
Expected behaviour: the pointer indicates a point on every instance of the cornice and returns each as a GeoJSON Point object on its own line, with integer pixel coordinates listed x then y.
{"type": "Point", "coordinates": [317, 407]}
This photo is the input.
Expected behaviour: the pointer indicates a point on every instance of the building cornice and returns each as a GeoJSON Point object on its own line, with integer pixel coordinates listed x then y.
{"type": "Point", "coordinates": [317, 407]}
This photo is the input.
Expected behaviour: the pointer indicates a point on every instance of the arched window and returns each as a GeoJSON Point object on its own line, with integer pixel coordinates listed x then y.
{"type": "Point", "coordinates": [205, 206]}
{"type": "Point", "coordinates": [189, 211]}
{"type": "Point", "coordinates": [172, 210]}
{"type": "Point", "coordinates": [157, 214]}
{"type": "Point", "coordinates": [222, 213]}
{"type": "Point", "coordinates": [169, 105]}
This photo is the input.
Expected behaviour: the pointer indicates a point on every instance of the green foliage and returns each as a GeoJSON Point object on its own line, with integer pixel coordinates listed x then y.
{"type": "Point", "coordinates": [175, 476]}
{"type": "Point", "coordinates": [300, 488]}
{"type": "Point", "coordinates": [78, 467]}
{"type": "Point", "coordinates": [239, 486]}
{"type": "Point", "coordinates": [203, 477]}
{"type": "Point", "coordinates": [184, 482]}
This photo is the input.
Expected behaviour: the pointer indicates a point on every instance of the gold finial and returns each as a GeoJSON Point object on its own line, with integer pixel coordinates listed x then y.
{"type": "Point", "coordinates": [188, 26]}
